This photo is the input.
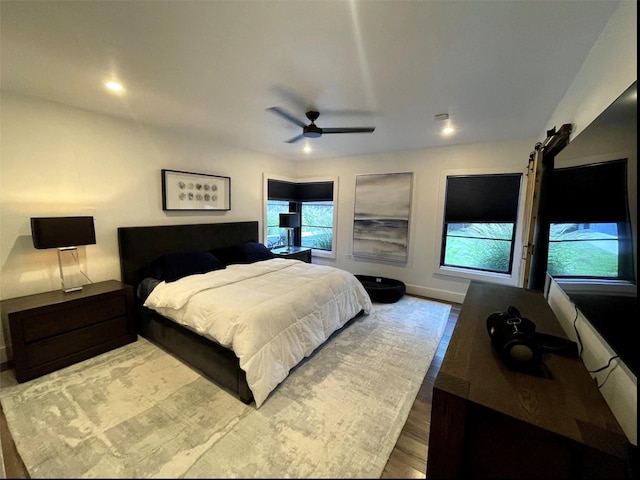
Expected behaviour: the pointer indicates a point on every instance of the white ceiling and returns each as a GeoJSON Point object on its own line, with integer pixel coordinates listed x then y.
{"type": "Point", "coordinates": [498, 68]}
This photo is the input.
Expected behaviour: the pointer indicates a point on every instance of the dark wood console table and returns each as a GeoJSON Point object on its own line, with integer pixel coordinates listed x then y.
{"type": "Point", "coordinates": [488, 421]}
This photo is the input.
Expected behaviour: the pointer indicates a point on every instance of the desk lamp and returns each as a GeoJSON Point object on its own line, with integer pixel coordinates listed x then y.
{"type": "Point", "coordinates": [65, 234]}
{"type": "Point", "coordinates": [289, 221]}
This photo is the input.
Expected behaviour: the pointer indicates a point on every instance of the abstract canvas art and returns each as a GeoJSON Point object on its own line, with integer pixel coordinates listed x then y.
{"type": "Point", "coordinates": [381, 217]}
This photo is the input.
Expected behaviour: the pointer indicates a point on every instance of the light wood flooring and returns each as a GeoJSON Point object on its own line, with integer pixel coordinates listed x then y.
{"type": "Point", "coordinates": [408, 459]}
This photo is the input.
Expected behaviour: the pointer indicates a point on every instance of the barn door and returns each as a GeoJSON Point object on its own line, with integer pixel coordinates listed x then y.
{"type": "Point", "coordinates": [535, 237]}
{"type": "Point", "coordinates": [530, 213]}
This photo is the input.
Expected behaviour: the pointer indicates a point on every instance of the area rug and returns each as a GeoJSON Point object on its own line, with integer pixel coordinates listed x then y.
{"type": "Point", "coordinates": [137, 412]}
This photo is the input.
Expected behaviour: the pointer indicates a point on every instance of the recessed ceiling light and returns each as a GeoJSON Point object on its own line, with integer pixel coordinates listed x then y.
{"type": "Point", "coordinates": [114, 86]}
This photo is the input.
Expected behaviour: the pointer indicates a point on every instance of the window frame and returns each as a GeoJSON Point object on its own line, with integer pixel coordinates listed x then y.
{"type": "Point", "coordinates": [517, 247]}
{"type": "Point", "coordinates": [314, 252]}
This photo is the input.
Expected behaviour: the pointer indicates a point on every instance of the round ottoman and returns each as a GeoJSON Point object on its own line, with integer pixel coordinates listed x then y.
{"type": "Point", "coordinates": [383, 290]}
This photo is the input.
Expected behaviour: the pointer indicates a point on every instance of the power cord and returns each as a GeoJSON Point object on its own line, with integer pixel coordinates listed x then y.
{"type": "Point", "coordinates": [602, 368]}
{"type": "Point", "coordinates": [606, 366]}
{"type": "Point", "coordinates": [575, 321]}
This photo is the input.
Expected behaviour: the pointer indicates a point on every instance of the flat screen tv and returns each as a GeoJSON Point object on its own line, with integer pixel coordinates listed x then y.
{"type": "Point", "coordinates": [610, 305]}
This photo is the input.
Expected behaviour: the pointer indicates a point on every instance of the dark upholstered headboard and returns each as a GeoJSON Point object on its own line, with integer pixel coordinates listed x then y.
{"type": "Point", "coordinates": [140, 246]}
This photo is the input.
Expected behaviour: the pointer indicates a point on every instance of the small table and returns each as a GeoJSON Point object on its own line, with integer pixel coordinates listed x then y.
{"type": "Point", "coordinates": [295, 253]}
{"type": "Point", "coordinates": [53, 330]}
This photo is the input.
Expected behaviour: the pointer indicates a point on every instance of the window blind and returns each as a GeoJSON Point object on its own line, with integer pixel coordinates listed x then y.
{"type": "Point", "coordinates": [482, 198]}
{"type": "Point", "coordinates": [589, 193]}
{"type": "Point", "coordinates": [301, 192]}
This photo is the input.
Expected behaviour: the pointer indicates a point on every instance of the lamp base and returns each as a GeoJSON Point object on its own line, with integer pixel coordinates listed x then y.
{"type": "Point", "coordinates": [70, 274]}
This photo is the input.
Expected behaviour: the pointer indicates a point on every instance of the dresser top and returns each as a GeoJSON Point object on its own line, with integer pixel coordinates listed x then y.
{"type": "Point", "coordinates": [568, 403]}
{"type": "Point", "coordinates": [59, 296]}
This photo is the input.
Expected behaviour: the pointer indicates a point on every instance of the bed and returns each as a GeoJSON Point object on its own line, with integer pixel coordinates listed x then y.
{"type": "Point", "coordinates": [228, 320]}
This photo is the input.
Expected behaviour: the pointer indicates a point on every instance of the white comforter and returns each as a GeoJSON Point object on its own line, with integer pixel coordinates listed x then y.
{"type": "Point", "coordinates": [271, 313]}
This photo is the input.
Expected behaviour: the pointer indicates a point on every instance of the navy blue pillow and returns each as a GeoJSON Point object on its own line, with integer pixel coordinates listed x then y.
{"type": "Point", "coordinates": [254, 252]}
{"type": "Point", "coordinates": [174, 266]}
{"type": "Point", "coordinates": [247, 252]}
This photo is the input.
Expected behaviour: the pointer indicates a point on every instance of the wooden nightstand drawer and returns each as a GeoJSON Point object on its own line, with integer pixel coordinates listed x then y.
{"type": "Point", "coordinates": [49, 349]}
{"type": "Point", "coordinates": [64, 318]}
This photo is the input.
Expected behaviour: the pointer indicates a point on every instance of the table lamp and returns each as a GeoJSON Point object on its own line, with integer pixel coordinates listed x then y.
{"type": "Point", "coordinates": [289, 221]}
{"type": "Point", "coordinates": [65, 234]}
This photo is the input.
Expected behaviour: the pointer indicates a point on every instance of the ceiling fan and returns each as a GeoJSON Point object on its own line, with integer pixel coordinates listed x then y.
{"type": "Point", "coordinates": [312, 130]}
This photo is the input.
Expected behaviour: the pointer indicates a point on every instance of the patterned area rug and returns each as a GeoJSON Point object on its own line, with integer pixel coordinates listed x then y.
{"type": "Point", "coordinates": [137, 412]}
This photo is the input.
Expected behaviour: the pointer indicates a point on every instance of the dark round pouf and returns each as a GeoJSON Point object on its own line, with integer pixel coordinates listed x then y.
{"type": "Point", "coordinates": [383, 290]}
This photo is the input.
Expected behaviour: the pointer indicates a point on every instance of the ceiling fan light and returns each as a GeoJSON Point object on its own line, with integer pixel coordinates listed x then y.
{"type": "Point", "coordinates": [312, 131]}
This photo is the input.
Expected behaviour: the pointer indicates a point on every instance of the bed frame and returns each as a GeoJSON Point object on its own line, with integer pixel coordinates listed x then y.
{"type": "Point", "coordinates": [139, 247]}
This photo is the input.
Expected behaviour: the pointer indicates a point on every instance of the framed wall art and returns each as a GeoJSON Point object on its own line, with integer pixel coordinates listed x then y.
{"type": "Point", "coordinates": [381, 216]}
{"type": "Point", "coordinates": [195, 191]}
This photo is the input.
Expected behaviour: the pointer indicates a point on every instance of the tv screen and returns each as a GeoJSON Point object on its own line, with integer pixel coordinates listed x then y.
{"type": "Point", "coordinates": [606, 295]}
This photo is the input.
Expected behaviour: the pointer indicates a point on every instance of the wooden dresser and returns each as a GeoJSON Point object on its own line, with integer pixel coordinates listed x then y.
{"type": "Point", "coordinates": [488, 421]}
{"type": "Point", "coordinates": [52, 330]}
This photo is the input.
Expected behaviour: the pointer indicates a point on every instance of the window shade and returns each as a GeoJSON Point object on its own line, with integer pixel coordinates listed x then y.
{"type": "Point", "coordinates": [482, 198]}
{"type": "Point", "coordinates": [303, 191]}
{"type": "Point", "coordinates": [315, 191]}
{"type": "Point", "coordinates": [589, 193]}
{"type": "Point", "coordinates": [279, 190]}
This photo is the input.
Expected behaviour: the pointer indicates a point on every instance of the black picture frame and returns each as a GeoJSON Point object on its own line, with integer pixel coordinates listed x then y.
{"type": "Point", "coordinates": [195, 191]}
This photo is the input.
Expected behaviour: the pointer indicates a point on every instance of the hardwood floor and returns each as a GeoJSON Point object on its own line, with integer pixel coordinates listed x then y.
{"type": "Point", "coordinates": [408, 459]}
{"type": "Point", "coordinates": [13, 466]}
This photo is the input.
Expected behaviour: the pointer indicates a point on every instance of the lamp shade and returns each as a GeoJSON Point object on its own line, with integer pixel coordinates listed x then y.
{"type": "Point", "coordinates": [56, 232]}
{"type": "Point", "coordinates": [289, 220]}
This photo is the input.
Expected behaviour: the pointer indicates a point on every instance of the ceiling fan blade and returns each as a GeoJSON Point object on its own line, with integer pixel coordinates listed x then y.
{"type": "Point", "coordinates": [296, 138]}
{"type": "Point", "coordinates": [348, 130]}
{"type": "Point", "coordinates": [287, 116]}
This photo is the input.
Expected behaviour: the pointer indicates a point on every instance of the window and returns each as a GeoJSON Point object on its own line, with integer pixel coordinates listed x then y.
{"type": "Point", "coordinates": [480, 222]}
{"type": "Point", "coordinates": [590, 231]}
{"type": "Point", "coordinates": [317, 225]}
{"type": "Point", "coordinates": [276, 237]}
{"type": "Point", "coordinates": [315, 202]}
{"type": "Point", "coordinates": [479, 246]}
{"type": "Point", "coordinates": [584, 250]}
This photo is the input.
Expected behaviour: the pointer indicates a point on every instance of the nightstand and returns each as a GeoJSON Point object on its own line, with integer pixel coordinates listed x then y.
{"type": "Point", "coordinates": [53, 330]}
{"type": "Point", "coordinates": [295, 253]}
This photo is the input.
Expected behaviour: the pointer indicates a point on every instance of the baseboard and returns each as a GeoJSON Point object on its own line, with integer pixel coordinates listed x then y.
{"type": "Point", "coordinates": [444, 295]}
